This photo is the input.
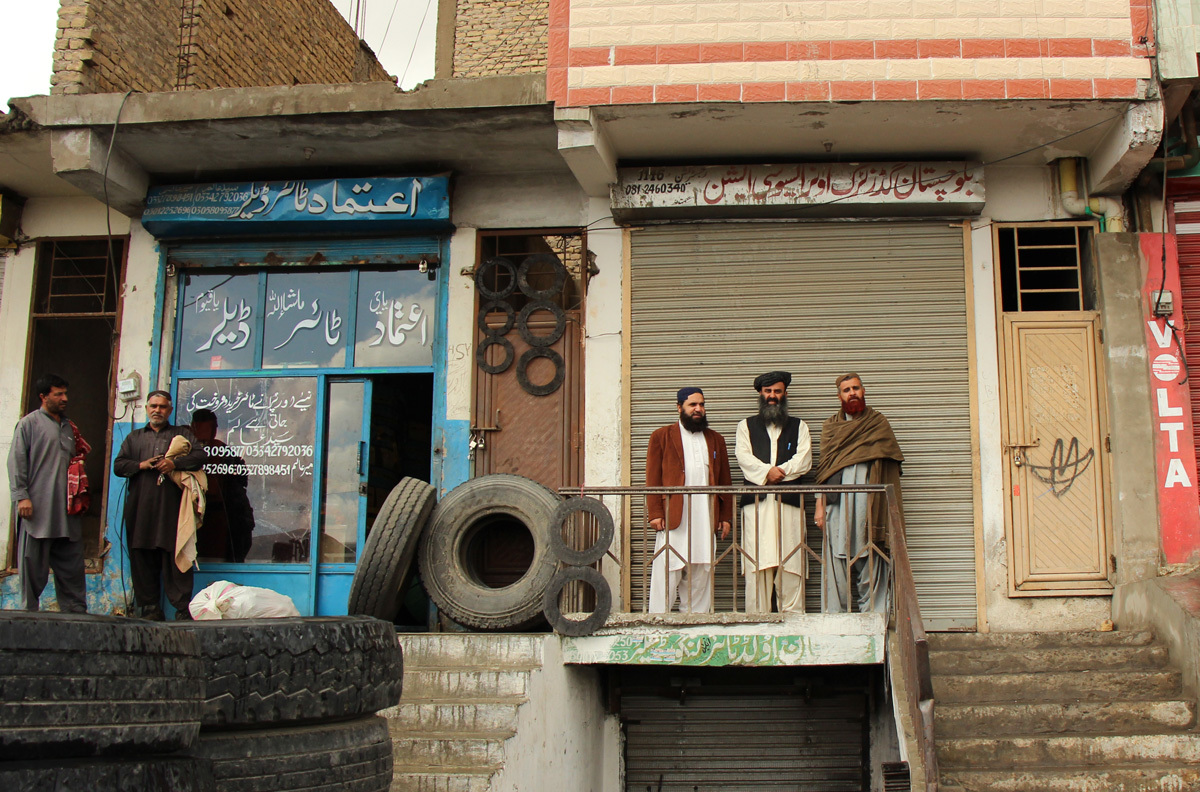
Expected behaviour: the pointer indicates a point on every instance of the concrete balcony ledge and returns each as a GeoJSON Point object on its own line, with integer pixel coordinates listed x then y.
{"type": "Point", "coordinates": [733, 639]}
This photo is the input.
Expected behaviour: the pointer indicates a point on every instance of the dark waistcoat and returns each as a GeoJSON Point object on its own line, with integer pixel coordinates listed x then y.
{"type": "Point", "coordinates": [760, 444]}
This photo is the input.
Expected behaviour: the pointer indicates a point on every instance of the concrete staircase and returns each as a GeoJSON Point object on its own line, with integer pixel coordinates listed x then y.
{"type": "Point", "coordinates": [460, 702]}
{"type": "Point", "coordinates": [1061, 712]}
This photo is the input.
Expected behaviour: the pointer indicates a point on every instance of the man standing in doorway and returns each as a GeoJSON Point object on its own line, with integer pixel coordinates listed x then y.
{"type": "Point", "coordinates": [152, 508]}
{"type": "Point", "coordinates": [686, 453]}
{"type": "Point", "coordinates": [229, 518]}
{"type": "Point", "coordinates": [857, 447]}
{"type": "Point", "coordinates": [773, 448]}
{"type": "Point", "coordinates": [47, 537]}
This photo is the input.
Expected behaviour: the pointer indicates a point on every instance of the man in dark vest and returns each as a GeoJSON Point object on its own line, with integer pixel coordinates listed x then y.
{"type": "Point", "coordinates": [857, 447]}
{"type": "Point", "coordinates": [773, 448]}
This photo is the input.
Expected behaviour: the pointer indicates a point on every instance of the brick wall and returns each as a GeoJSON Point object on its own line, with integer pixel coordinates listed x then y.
{"type": "Point", "coordinates": [500, 37]}
{"type": "Point", "coordinates": [623, 52]}
{"type": "Point", "coordinates": [165, 45]}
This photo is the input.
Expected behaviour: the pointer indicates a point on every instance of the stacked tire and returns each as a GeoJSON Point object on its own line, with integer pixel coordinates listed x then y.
{"type": "Point", "coordinates": [98, 703]}
{"type": "Point", "coordinates": [290, 703]}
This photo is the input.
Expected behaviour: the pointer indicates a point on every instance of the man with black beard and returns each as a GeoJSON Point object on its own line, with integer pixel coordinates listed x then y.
{"type": "Point", "coordinates": [686, 454]}
{"type": "Point", "coordinates": [773, 448]}
{"type": "Point", "coordinates": [857, 447]}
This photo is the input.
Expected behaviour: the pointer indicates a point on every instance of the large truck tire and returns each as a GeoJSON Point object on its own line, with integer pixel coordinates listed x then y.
{"type": "Point", "coordinates": [386, 560]}
{"type": "Point", "coordinates": [149, 774]}
{"type": "Point", "coordinates": [352, 756]}
{"type": "Point", "coordinates": [75, 685]}
{"type": "Point", "coordinates": [262, 673]}
{"type": "Point", "coordinates": [447, 566]}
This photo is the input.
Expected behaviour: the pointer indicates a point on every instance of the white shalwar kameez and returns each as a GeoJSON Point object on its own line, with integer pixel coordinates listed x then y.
{"type": "Point", "coordinates": [692, 539]}
{"type": "Point", "coordinates": [764, 526]}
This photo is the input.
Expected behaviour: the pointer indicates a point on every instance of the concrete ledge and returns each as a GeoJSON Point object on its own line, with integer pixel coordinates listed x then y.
{"type": "Point", "coordinates": [794, 640]}
{"type": "Point", "coordinates": [1171, 607]}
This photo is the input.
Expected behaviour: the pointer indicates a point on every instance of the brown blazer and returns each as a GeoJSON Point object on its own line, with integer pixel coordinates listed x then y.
{"type": "Point", "coordinates": [664, 468]}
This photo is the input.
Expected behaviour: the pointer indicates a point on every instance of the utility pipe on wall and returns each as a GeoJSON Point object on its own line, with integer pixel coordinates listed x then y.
{"type": "Point", "coordinates": [1109, 210]}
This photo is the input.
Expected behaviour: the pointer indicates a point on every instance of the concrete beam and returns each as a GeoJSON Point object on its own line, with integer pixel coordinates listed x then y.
{"type": "Point", "coordinates": [1126, 149]}
{"type": "Point", "coordinates": [81, 157]}
{"type": "Point", "coordinates": [585, 147]}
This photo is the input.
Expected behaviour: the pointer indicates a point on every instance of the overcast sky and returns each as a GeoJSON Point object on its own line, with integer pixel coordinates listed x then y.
{"type": "Point", "coordinates": [26, 55]}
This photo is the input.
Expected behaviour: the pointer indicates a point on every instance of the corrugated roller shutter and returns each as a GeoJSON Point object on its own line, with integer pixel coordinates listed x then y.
{"type": "Point", "coordinates": [1187, 236]}
{"type": "Point", "coordinates": [715, 305]}
{"type": "Point", "coordinates": [806, 744]}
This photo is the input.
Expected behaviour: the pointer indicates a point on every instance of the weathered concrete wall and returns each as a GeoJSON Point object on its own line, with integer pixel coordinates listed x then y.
{"type": "Point", "coordinates": [106, 46]}
{"type": "Point", "coordinates": [500, 37]}
{"type": "Point", "coordinates": [1171, 607]}
{"type": "Point", "coordinates": [565, 741]}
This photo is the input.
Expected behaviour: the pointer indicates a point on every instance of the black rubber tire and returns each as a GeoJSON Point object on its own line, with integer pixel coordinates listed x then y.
{"type": "Point", "coordinates": [560, 371]}
{"type": "Point", "coordinates": [595, 620]}
{"type": "Point", "coordinates": [488, 307]}
{"type": "Point", "coordinates": [467, 509]}
{"type": "Point", "coordinates": [604, 535]}
{"type": "Point", "coordinates": [481, 355]}
{"type": "Point", "coordinates": [146, 774]}
{"type": "Point", "coordinates": [352, 756]}
{"type": "Point", "coordinates": [385, 563]}
{"type": "Point", "coordinates": [481, 276]}
{"type": "Point", "coordinates": [528, 336]}
{"type": "Point", "coordinates": [264, 673]}
{"type": "Point", "coordinates": [74, 685]}
{"type": "Point", "coordinates": [550, 292]}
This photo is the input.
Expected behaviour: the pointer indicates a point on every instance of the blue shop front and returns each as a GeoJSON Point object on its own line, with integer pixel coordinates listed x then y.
{"type": "Point", "coordinates": [308, 319]}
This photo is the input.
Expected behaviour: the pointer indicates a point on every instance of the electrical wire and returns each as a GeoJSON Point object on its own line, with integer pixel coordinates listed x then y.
{"type": "Point", "coordinates": [413, 51]}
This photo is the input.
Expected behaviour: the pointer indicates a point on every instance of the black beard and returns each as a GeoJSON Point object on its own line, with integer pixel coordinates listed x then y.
{"type": "Point", "coordinates": [693, 425]}
{"type": "Point", "coordinates": [774, 414]}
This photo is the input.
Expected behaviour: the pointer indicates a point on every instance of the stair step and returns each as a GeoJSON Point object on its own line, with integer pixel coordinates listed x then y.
{"type": "Point", "coordinates": [462, 779]}
{"type": "Point", "coordinates": [970, 640]}
{"type": "Point", "coordinates": [423, 650]}
{"type": "Point", "coordinates": [1058, 658]}
{"type": "Point", "coordinates": [1069, 750]}
{"type": "Point", "coordinates": [457, 683]}
{"type": "Point", "coordinates": [465, 716]}
{"type": "Point", "coordinates": [1091, 717]}
{"type": "Point", "coordinates": [480, 750]}
{"type": "Point", "coordinates": [1053, 686]}
{"type": "Point", "coordinates": [1142, 778]}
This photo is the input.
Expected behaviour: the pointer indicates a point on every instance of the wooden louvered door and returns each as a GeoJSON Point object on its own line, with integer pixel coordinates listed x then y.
{"type": "Point", "coordinates": [1054, 446]}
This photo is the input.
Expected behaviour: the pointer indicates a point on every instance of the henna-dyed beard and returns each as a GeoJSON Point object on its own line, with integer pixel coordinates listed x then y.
{"type": "Point", "coordinates": [774, 414]}
{"type": "Point", "coordinates": [854, 405]}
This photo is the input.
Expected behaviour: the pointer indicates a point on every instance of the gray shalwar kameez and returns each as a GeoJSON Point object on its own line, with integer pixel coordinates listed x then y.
{"type": "Point", "coordinates": [41, 452]}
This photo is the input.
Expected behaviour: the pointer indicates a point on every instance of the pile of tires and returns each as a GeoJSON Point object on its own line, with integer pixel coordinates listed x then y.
{"type": "Point", "coordinates": [292, 702]}
{"type": "Point", "coordinates": [440, 535]}
{"type": "Point", "coordinates": [98, 703]}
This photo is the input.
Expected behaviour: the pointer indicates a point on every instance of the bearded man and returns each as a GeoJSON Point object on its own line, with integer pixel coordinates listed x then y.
{"type": "Point", "coordinates": [857, 447]}
{"type": "Point", "coordinates": [773, 448]}
{"type": "Point", "coordinates": [686, 453]}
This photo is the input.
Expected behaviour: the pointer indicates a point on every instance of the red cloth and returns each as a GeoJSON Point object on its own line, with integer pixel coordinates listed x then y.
{"type": "Point", "coordinates": [79, 500]}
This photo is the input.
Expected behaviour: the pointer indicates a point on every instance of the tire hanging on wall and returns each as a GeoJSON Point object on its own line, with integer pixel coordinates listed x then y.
{"type": "Point", "coordinates": [595, 620]}
{"type": "Point", "coordinates": [385, 563]}
{"type": "Point", "coordinates": [466, 510]}
{"type": "Point", "coordinates": [556, 284]}
{"type": "Point", "coordinates": [604, 531]}
{"type": "Point", "coordinates": [351, 756]}
{"type": "Point", "coordinates": [495, 305]}
{"type": "Point", "coordinates": [485, 271]}
{"type": "Point", "coordinates": [76, 685]}
{"type": "Point", "coordinates": [481, 355]}
{"type": "Point", "coordinates": [560, 323]}
{"type": "Point", "coordinates": [274, 672]}
{"type": "Point", "coordinates": [527, 357]}
{"type": "Point", "coordinates": [144, 774]}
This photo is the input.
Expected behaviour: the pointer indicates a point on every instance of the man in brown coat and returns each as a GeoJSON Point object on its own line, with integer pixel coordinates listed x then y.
{"type": "Point", "coordinates": [857, 447]}
{"type": "Point", "coordinates": [686, 453]}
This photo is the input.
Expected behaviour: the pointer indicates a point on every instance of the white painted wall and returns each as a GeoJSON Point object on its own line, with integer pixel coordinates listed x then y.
{"type": "Point", "coordinates": [1019, 194]}
{"type": "Point", "coordinates": [460, 325]}
{"type": "Point", "coordinates": [518, 200]}
{"type": "Point", "coordinates": [565, 741]}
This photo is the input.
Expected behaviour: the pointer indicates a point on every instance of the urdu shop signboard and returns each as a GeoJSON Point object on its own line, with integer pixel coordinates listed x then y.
{"type": "Point", "coordinates": [418, 203]}
{"type": "Point", "coordinates": [799, 190]}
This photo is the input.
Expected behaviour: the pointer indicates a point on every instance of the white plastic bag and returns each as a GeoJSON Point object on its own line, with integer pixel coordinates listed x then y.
{"type": "Point", "coordinates": [225, 600]}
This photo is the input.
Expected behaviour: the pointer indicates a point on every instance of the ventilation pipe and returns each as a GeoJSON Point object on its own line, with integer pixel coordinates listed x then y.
{"type": "Point", "coordinates": [1109, 210]}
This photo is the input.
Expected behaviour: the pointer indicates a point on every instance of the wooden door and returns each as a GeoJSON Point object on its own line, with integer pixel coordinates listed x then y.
{"type": "Point", "coordinates": [1054, 448]}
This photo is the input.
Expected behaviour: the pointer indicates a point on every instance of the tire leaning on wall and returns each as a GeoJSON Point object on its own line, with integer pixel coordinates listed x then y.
{"type": "Point", "coordinates": [473, 507]}
{"type": "Point", "coordinates": [350, 756]}
{"type": "Point", "coordinates": [273, 672]}
{"type": "Point", "coordinates": [77, 685]}
{"type": "Point", "coordinates": [385, 563]}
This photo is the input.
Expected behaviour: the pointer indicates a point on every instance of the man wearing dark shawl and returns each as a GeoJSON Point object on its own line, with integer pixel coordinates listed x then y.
{"type": "Point", "coordinates": [857, 447]}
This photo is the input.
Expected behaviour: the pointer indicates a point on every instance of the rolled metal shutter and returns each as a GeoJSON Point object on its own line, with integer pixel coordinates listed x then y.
{"type": "Point", "coordinates": [1187, 237]}
{"type": "Point", "coordinates": [713, 305]}
{"type": "Point", "coordinates": [747, 741]}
